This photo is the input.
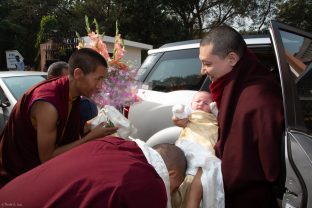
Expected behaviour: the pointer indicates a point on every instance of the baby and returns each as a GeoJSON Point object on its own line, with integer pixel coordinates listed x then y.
{"type": "Point", "coordinates": [198, 121]}
{"type": "Point", "coordinates": [181, 112]}
{"type": "Point", "coordinates": [199, 126]}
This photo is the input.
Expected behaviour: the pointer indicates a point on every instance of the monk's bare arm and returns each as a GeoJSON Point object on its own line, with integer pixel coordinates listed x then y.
{"type": "Point", "coordinates": [45, 116]}
{"type": "Point", "coordinates": [194, 196]}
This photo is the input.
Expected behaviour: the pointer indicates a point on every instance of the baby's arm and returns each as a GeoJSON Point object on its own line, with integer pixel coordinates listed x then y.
{"type": "Point", "coordinates": [180, 115]}
{"type": "Point", "coordinates": [180, 122]}
{"type": "Point", "coordinates": [195, 194]}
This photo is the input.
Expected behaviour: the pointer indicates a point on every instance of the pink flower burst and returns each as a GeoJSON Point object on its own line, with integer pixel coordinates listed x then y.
{"type": "Point", "coordinates": [119, 49]}
{"type": "Point", "coordinates": [98, 45]}
{"type": "Point", "coordinates": [121, 86]}
{"type": "Point", "coordinates": [119, 89]}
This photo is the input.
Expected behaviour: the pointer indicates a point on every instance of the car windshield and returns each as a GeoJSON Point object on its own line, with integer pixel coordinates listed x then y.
{"type": "Point", "coordinates": [176, 70]}
{"type": "Point", "coordinates": [20, 84]}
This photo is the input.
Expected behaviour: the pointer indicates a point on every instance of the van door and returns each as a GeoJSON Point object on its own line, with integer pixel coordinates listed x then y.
{"type": "Point", "coordinates": [293, 50]}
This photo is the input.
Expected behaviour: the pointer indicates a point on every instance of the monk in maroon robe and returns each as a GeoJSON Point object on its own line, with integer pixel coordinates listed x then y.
{"type": "Point", "coordinates": [251, 121]}
{"type": "Point", "coordinates": [45, 121]}
{"type": "Point", "coordinates": [108, 172]}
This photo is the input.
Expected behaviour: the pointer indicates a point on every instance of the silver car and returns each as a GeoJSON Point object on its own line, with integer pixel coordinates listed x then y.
{"type": "Point", "coordinates": [13, 84]}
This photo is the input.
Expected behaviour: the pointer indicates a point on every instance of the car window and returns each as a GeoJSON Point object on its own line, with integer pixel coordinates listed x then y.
{"type": "Point", "coordinates": [20, 84]}
{"type": "Point", "coordinates": [304, 90]}
{"type": "Point", "coordinates": [176, 70]}
{"type": "Point", "coordinates": [299, 58]}
{"type": "Point", "coordinates": [265, 54]}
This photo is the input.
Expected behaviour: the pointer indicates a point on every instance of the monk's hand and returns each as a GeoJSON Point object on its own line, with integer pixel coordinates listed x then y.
{"type": "Point", "coordinates": [101, 131]}
{"type": "Point", "coordinates": [180, 122]}
{"type": "Point", "coordinates": [87, 127]}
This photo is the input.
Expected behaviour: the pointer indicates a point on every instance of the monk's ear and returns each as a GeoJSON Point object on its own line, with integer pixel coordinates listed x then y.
{"type": "Point", "coordinates": [78, 73]}
{"type": "Point", "coordinates": [172, 173]}
{"type": "Point", "coordinates": [233, 58]}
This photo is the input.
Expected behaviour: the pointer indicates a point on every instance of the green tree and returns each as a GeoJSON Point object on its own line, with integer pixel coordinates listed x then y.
{"type": "Point", "coordinates": [7, 27]}
{"type": "Point", "coordinates": [49, 29]}
{"type": "Point", "coordinates": [153, 22]}
{"type": "Point", "coordinates": [147, 22]}
{"type": "Point", "coordinates": [142, 21]}
{"type": "Point", "coordinates": [199, 16]}
{"type": "Point", "coordinates": [296, 13]}
{"type": "Point", "coordinates": [23, 20]}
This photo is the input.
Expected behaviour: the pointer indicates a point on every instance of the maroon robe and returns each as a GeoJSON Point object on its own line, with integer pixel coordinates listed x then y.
{"type": "Point", "coordinates": [251, 125]}
{"type": "Point", "coordinates": [18, 147]}
{"type": "Point", "coordinates": [108, 172]}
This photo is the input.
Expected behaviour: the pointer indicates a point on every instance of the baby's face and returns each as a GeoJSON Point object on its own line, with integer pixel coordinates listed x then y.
{"type": "Point", "coordinates": [201, 101]}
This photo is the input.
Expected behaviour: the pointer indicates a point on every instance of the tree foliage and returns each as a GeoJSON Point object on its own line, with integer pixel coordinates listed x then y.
{"type": "Point", "coordinates": [146, 21]}
{"type": "Point", "coordinates": [23, 18]}
{"type": "Point", "coordinates": [296, 13]}
{"type": "Point", "coordinates": [154, 22]}
{"type": "Point", "coordinates": [48, 29]}
{"type": "Point", "coordinates": [199, 16]}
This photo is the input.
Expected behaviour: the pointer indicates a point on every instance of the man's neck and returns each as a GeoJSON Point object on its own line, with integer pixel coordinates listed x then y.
{"type": "Point", "coordinates": [73, 94]}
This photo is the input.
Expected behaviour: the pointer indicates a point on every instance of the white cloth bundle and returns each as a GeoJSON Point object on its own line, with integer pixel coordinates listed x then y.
{"type": "Point", "coordinates": [154, 159]}
{"type": "Point", "coordinates": [211, 179]}
{"type": "Point", "coordinates": [111, 114]}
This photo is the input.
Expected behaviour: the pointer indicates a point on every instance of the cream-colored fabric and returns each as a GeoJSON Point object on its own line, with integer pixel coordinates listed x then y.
{"type": "Point", "coordinates": [201, 129]}
{"type": "Point", "coordinates": [178, 199]}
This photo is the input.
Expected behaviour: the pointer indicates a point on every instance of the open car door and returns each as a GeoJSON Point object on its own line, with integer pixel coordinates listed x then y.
{"type": "Point", "coordinates": [293, 50]}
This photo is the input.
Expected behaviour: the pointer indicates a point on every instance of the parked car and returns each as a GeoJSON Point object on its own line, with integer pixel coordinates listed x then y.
{"type": "Point", "coordinates": [170, 75]}
{"type": "Point", "coordinates": [13, 84]}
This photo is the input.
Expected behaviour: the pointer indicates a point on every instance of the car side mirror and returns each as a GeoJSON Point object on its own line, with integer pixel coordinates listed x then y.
{"type": "Point", "coordinates": [4, 104]}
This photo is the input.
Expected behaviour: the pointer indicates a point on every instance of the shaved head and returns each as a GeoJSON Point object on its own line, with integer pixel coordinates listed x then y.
{"type": "Point", "coordinates": [224, 40]}
{"type": "Point", "coordinates": [175, 161]}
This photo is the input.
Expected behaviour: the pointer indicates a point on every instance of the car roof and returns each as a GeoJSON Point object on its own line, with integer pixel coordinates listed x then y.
{"type": "Point", "coordinates": [251, 41]}
{"type": "Point", "coordinates": [21, 73]}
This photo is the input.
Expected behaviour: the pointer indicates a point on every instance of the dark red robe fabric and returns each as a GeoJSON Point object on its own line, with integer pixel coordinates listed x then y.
{"type": "Point", "coordinates": [18, 147]}
{"type": "Point", "coordinates": [108, 172]}
{"type": "Point", "coordinates": [251, 124]}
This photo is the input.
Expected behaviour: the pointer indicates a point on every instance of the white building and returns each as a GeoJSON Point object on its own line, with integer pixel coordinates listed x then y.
{"type": "Point", "coordinates": [50, 50]}
{"type": "Point", "coordinates": [133, 49]}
